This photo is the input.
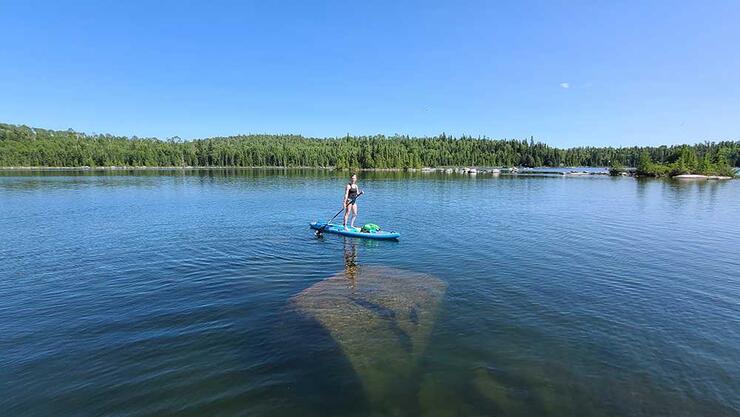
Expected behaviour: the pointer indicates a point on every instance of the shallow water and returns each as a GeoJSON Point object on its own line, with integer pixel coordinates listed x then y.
{"type": "Point", "coordinates": [173, 293]}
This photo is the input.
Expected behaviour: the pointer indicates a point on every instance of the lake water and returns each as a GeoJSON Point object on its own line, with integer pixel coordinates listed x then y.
{"type": "Point", "coordinates": [196, 293]}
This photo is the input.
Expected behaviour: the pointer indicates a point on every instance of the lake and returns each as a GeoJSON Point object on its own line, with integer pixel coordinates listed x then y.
{"type": "Point", "coordinates": [204, 293]}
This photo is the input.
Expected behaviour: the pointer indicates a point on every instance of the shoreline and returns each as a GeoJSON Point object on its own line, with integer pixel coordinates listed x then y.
{"type": "Point", "coordinates": [467, 169]}
{"type": "Point", "coordinates": [700, 177]}
{"type": "Point", "coordinates": [471, 171]}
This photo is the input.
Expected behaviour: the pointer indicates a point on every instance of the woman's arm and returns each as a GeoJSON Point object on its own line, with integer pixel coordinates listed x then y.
{"type": "Point", "coordinates": [346, 195]}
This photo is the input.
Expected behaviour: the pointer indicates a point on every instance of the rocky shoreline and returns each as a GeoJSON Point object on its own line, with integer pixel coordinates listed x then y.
{"type": "Point", "coordinates": [446, 170]}
{"type": "Point", "coordinates": [546, 171]}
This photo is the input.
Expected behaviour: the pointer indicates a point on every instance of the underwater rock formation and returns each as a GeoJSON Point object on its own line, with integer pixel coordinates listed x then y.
{"type": "Point", "coordinates": [381, 318]}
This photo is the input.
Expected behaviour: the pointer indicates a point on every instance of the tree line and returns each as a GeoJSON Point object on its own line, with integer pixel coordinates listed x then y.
{"type": "Point", "coordinates": [26, 146]}
{"type": "Point", "coordinates": [686, 161]}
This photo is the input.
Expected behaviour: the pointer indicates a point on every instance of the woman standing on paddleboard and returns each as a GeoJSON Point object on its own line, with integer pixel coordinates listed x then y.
{"type": "Point", "coordinates": [351, 191]}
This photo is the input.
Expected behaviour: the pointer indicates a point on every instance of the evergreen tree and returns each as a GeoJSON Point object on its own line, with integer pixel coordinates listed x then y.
{"type": "Point", "coordinates": [24, 146]}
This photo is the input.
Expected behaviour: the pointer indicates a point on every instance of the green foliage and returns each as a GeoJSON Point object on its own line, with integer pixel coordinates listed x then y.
{"type": "Point", "coordinates": [616, 168]}
{"type": "Point", "coordinates": [725, 162]}
{"type": "Point", "coordinates": [647, 168]}
{"type": "Point", "coordinates": [686, 161]}
{"type": "Point", "coordinates": [25, 146]}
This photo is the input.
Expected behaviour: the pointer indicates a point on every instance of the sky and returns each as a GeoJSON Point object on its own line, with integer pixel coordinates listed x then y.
{"type": "Point", "coordinates": [569, 73]}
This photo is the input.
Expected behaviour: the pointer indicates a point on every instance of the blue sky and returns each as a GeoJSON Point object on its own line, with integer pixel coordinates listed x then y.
{"type": "Point", "coordinates": [568, 73]}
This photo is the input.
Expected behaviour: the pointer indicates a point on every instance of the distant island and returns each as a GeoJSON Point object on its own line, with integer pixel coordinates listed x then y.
{"type": "Point", "coordinates": [23, 146]}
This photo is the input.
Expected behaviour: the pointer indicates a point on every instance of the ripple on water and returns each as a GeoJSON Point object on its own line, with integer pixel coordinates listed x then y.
{"type": "Point", "coordinates": [175, 294]}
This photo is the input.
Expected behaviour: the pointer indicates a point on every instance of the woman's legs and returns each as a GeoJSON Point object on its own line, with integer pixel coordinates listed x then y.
{"type": "Point", "coordinates": [347, 208]}
{"type": "Point", "coordinates": [354, 215]}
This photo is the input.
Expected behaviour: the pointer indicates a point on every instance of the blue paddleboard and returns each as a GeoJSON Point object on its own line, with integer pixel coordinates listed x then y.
{"type": "Point", "coordinates": [354, 232]}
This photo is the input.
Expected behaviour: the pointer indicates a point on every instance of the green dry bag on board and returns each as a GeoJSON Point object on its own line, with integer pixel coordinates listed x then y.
{"type": "Point", "coordinates": [370, 228]}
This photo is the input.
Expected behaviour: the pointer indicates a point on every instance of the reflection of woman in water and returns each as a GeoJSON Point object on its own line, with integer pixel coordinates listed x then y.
{"type": "Point", "coordinates": [350, 262]}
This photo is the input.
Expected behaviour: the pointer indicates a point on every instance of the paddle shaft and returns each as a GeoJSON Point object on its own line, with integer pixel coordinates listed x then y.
{"type": "Point", "coordinates": [321, 229]}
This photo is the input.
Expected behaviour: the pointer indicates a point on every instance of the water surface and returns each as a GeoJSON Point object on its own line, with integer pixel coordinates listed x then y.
{"type": "Point", "coordinates": [173, 293]}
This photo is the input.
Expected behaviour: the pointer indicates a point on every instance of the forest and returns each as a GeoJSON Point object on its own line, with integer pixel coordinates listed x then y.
{"type": "Point", "coordinates": [23, 146]}
{"type": "Point", "coordinates": [685, 161]}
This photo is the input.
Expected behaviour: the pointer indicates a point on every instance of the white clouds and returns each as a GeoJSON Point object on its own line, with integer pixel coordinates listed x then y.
{"type": "Point", "coordinates": [565, 85]}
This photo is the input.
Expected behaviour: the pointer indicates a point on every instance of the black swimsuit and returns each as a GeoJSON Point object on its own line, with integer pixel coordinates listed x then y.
{"type": "Point", "coordinates": [352, 194]}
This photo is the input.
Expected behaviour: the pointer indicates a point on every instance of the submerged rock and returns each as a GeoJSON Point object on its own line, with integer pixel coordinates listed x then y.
{"type": "Point", "coordinates": [381, 318]}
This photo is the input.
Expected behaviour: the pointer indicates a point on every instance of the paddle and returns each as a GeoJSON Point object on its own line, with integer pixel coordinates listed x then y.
{"type": "Point", "coordinates": [320, 230]}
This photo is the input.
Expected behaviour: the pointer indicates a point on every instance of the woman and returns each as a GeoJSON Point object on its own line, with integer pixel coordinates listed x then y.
{"type": "Point", "coordinates": [351, 191]}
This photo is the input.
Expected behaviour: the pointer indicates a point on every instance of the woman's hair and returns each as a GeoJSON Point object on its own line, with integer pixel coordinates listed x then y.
{"type": "Point", "coordinates": [353, 175]}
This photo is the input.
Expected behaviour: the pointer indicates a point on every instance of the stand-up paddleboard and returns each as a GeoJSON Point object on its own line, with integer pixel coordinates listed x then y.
{"type": "Point", "coordinates": [353, 232]}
